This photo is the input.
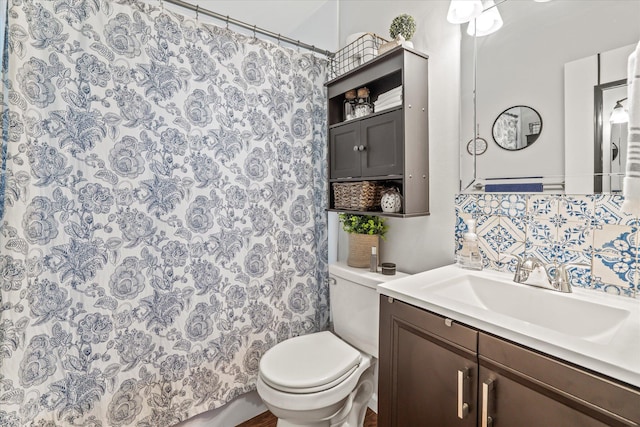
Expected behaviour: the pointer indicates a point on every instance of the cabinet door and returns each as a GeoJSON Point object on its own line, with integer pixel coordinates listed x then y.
{"type": "Point", "coordinates": [382, 138]}
{"type": "Point", "coordinates": [505, 402]}
{"type": "Point", "coordinates": [424, 378]}
{"type": "Point", "coordinates": [345, 160]}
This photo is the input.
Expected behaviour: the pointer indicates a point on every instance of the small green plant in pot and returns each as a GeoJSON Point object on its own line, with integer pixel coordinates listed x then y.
{"type": "Point", "coordinates": [403, 25]}
{"type": "Point", "coordinates": [364, 232]}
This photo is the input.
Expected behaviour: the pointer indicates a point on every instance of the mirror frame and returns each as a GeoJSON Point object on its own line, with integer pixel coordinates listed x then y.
{"type": "Point", "coordinates": [493, 135]}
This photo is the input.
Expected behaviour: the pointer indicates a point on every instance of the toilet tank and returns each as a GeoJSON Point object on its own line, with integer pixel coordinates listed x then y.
{"type": "Point", "coordinates": [354, 305]}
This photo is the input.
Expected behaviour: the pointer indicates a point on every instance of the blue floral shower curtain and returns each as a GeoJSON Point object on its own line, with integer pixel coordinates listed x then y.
{"type": "Point", "coordinates": [163, 221]}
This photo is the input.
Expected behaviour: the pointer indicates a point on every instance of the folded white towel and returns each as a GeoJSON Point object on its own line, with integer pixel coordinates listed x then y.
{"type": "Point", "coordinates": [393, 93]}
{"type": "Point", "coordinates": [388, 100]}
{"type": "Point", "coordinates": [379, 107]}
{"type": "Point", "coordinates": [387, 104]}
{"type": "Point", "coordinates": [631, 185]}
{"type": "Point", "coordinates": [397, 100]}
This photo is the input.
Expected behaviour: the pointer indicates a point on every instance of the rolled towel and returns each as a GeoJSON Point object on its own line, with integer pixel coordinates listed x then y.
{"type": "Point", "coordinates": [532, 187]}
{"type": "Point", "coordinates": [631, 185]}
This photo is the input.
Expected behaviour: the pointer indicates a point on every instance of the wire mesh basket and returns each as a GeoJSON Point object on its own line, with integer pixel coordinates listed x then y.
{"type": "Point", "coordinates": [363, 49]}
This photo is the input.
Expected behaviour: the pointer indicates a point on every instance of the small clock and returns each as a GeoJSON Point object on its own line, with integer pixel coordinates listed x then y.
{"type": "Point", "coordinates": [480, 146]}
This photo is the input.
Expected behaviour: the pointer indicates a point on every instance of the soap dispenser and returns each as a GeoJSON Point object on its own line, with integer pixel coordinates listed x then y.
{"type": "Point", "coordinates": [469, 255]}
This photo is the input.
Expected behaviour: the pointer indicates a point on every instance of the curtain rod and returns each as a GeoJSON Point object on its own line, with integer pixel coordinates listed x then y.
{"type": "Point", "coordinates": [198, 10]}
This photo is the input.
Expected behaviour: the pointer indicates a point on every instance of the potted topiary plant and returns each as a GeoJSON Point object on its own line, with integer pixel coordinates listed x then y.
{"type": "Point", "coordinates": [403, 26]}
{"type": "Point", "coordinates": [364, 232]}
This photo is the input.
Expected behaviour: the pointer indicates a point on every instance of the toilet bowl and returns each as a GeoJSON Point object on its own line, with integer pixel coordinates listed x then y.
{"type": "Point", "coordinates": [301, 392]}
{"type": "Point", "coordinates": [327, 378]}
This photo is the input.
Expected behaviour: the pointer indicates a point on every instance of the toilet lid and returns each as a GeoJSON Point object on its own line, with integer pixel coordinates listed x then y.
{"type": "Point", "coordinates": [309, 363]}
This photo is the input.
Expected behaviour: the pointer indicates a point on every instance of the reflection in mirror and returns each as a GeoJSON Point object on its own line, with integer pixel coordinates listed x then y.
{"type": "Point", "coordinates": [517, 128]}
{"type": "Point", "coordinates": [551, 56]}
{"type": "Point", "coordinates": [611, 136]}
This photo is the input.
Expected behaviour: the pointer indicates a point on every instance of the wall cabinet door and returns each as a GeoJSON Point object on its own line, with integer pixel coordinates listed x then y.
{"type": "Point", "coordinates": [382, 138]}
{"type": "Point", "coordinates": [368, 147]}
{"type": "Point", "coordinates": [427, 377]}
{"type": "Point", "coordinates": [344, 142]}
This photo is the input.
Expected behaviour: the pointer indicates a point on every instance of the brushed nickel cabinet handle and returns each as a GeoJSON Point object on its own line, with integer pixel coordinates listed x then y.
{"type": "Point", "coordinates": [463, 407]}
{"type": "Point", "coordinates": [487, 387]}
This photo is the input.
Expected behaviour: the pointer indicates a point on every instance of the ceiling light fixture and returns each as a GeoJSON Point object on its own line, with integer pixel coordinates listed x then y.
{"type": "Point", "coordinates": [461, 11]}
{"type": "Point", "coordinates": [488, 22]}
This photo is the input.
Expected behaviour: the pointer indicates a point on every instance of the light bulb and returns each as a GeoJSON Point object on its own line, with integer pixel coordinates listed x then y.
{"type": "Point", "coordinates": [461, 11]}
{"type": "Point", "coordinates": [488, 22]}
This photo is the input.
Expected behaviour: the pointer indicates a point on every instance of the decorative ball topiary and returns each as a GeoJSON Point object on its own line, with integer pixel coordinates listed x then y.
{"type": "Point", "coordinates": [403, 24]}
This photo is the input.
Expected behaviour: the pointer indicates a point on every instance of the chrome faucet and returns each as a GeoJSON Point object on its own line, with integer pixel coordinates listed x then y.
{"type": "Point", "coordinates": [531, 271]}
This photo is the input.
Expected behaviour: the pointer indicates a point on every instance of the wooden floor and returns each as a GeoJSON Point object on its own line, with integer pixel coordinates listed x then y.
{"type": "Point", "coordinates": [266, 419]}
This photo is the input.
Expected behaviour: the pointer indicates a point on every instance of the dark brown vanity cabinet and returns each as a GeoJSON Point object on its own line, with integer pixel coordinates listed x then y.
{"type": "Point", "coordinates": [428, 371]}
{"type": "Point", "coordinates": [431, 367]}
{"type": "Point", "coordinates": [389, 147]}
{"type": "Point", "coordinates": [522, 387]}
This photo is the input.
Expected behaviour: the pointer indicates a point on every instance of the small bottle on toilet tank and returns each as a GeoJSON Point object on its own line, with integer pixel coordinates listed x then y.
{"type": "Point", "coordinates": [373, 266]}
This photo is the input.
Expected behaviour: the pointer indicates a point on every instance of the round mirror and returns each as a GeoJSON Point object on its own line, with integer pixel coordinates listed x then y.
{"type": "Point", "coordinates": [517, 127]}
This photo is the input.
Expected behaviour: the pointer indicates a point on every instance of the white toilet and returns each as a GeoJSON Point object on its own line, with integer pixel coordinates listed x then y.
{"type": "Point", "coordinates": [327, 379]}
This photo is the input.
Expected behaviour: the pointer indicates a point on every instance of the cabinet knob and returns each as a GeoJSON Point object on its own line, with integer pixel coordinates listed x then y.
{"type": "Point", "coordinates": [361, 148]}
{"type": "Point", "coordinates": [355, 148]}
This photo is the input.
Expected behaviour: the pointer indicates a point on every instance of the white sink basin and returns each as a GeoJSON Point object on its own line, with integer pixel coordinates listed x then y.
{"type": "Point", "coordinates": [542, 307]}
{"type": "Point", "coordinates": [589, 328]}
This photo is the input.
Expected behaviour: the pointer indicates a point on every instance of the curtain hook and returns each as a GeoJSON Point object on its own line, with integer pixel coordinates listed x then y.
{"type": "Point", "coordinates": [197, 11]}
{"type": "Point", "coordinates": [254, 31]}
{"type": "Point", "coordinates": [278, 39]}
{"type": "Point", "coordinates": [227, 22]}
{"type": "Point", "coordinates": [298, 44]}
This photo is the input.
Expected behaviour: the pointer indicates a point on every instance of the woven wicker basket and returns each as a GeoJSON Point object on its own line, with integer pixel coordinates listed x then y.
{"type": "Point", "coordinates": [360, 249]}
{"type": "Point", "coordinates": [357, 196]}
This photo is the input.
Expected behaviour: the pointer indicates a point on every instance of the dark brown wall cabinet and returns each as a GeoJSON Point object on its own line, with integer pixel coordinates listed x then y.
{"type": "Point", "coordinates": [436, 372]}
{"type": "Point", "coordinates": [391, 146]}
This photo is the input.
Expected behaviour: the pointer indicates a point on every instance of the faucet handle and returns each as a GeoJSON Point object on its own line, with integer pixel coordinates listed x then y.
{"type": "Point", "coordinates": [521, 274]}
{"type": "Point", "coordinates": [518, 258]}
{"type": "Point", "coordinates": [560, 280]}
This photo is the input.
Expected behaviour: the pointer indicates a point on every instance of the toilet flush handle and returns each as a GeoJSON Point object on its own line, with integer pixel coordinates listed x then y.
{"type": "Point", "coordinates": [333, 281]}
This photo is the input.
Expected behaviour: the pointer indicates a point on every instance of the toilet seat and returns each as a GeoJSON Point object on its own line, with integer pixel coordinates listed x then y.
{"type": "Point", "coordinates": [309, 363]}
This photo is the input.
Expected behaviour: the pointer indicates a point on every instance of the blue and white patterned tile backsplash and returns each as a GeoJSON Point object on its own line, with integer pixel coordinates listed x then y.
{"type": "Point", "coordinates": [589, 231]}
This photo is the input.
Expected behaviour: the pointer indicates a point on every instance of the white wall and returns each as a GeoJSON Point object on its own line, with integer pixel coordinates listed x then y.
{"type": "Point", "coordinates": [418, 244]}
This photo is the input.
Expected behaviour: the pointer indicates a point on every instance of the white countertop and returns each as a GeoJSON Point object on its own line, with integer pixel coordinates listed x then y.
{"type": "Point", "coordinates": [616, 355]}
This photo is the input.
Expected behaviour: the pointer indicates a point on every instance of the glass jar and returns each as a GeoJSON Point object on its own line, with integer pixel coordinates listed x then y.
{"type": "Point", "coordinates": [363, 107]}
{"type": "Point", "coordinates": [349, 109]}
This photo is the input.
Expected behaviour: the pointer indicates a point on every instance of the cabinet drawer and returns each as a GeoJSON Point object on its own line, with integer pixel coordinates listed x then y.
{"type": "Point", "coordinates": [601, 397]}
{"type": "Point", "coordinates": [436, 327]}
